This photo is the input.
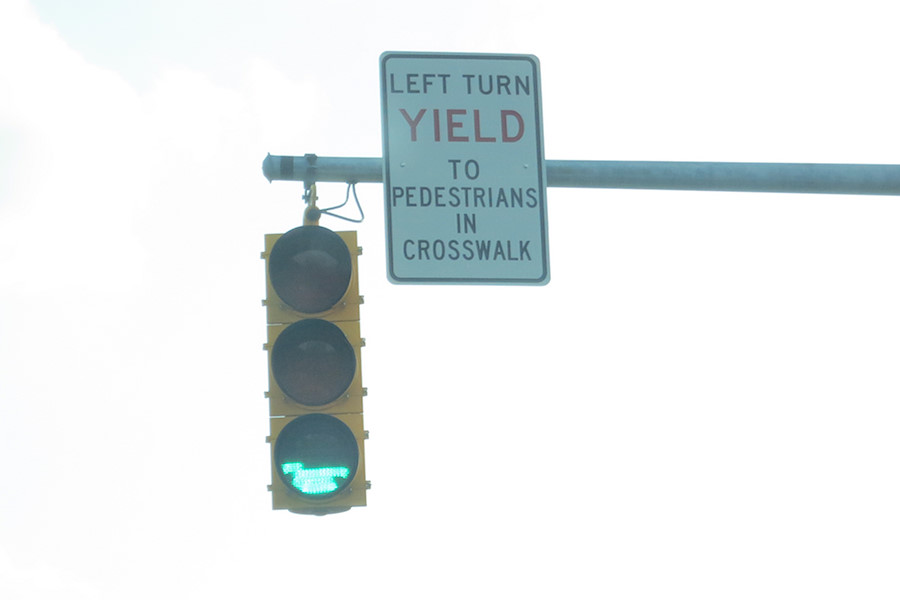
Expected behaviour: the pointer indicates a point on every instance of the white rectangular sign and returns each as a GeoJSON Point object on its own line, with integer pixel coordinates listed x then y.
{"type": "Point", "coordinates": [464, 178]}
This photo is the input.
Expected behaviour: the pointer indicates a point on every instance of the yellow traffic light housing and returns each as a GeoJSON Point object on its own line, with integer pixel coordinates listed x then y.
{"type": "Point", "coordinates": [315, 381]}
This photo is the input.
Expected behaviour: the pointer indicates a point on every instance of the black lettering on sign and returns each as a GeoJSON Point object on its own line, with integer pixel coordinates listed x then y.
{"type": "Point", "coordinates": [481, 250]}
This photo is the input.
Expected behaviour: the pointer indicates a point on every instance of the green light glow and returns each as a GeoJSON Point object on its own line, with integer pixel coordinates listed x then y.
{"type": "Point", "coordinates": [320, 480]}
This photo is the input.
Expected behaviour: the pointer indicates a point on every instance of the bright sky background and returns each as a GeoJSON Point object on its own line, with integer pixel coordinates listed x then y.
{"type": "Point", "coordinates": [703, 403]}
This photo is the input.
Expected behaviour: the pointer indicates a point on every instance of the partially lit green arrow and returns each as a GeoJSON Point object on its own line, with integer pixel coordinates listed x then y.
{"type": "Point", "coordinates": [320, 480]}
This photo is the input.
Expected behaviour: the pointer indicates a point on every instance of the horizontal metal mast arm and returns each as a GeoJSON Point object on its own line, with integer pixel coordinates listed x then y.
{"type": "Point", "coordinates": [645, 175]}
{"type": "Point", "coordinates": [312, 168]}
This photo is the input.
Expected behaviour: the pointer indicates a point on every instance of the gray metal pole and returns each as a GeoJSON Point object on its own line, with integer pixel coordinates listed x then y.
{"type": "Point", "coordinates": [704, 176]}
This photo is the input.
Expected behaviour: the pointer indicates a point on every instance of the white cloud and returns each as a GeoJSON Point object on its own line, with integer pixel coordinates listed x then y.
{"type": "Point", "coordinates": [283, 109]}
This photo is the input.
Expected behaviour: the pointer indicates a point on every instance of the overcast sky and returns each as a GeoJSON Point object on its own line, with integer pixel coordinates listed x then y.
{"type": "Point", "coordinates": [702, 403]}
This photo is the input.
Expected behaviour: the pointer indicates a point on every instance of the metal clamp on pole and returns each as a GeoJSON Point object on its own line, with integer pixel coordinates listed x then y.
{"type": "Point", "coordinates": [312, 213]}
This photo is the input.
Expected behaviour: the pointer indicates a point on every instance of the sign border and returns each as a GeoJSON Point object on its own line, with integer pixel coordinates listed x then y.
{"type": "Point", "coordinates": [544, 277]}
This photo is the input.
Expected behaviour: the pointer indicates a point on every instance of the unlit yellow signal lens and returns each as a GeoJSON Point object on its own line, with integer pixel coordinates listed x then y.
{"type": "Point", "coordinates": [313, 362]}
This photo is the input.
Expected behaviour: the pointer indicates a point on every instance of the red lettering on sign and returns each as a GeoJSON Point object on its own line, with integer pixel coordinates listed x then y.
{"type": "Point", "coordinates": [463, 125]}
{"type": "Point", "coordinates": [437, 125]}
{"type": "Point", "coordinates": [413, 123]}
{"type": "Point", "coordinates": [505, 129]}
{"type": "Point", "coordinates": [453, 124]}
{"type": "Point", "coordinates": [478, 136]}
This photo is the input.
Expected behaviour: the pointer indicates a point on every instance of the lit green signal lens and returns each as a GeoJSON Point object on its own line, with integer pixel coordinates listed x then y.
{"type": "Point", "coordinates": [316, 455]}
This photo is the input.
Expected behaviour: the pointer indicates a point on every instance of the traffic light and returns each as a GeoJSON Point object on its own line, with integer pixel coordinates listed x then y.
{"type": "Point", "coordinates": [315, 382]}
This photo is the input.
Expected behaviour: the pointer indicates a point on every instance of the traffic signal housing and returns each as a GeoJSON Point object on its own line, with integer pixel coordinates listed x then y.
{"type": "Point", "coordinates": [315, 376]}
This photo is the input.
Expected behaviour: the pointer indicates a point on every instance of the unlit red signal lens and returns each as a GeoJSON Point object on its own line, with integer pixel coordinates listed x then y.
{"type": "Point", "coordinates": [310, 269]}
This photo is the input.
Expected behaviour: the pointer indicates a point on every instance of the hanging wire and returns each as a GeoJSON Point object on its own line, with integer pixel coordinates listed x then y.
{"type": "Point", "coordinates": [329, 211]}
